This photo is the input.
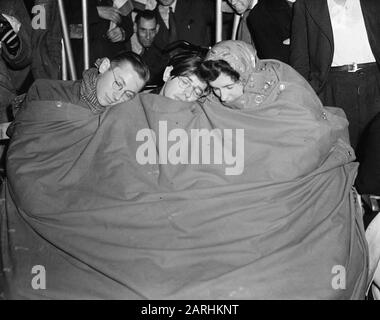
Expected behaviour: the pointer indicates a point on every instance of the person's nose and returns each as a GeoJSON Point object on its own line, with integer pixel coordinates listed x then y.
{"type": "Point", "coordinates": [119, 95]}
{"type": "Point", "coordinates": [188, 93]}
{"type": "Point", "coordinates": [222, 95]}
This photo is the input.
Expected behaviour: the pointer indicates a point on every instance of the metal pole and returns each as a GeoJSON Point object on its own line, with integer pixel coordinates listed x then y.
{"type": "Point", "coordinates": [235, 26]}
{"type": "Point", "coordinates": [86, 46]}
{"type": "Point", "coordinates": [219, 21]}
{"type": "Point", "coordinates": [64, 62]}
{"type": "Point", "coordinates": [66, 38]}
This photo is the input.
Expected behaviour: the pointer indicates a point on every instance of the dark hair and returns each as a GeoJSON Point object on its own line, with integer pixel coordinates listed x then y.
{"type": "Point", "coordinates": [135, 60]}
{"type": "Point", "coordinates": [146, 14]}
{"type": "Point", "coordinates": [211, 70]}
{"type": "Point", "coordinates": [187, 63]}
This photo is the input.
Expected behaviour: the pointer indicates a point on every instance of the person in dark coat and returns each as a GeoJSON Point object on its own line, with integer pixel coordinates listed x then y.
{"type": "Point", "coordinates": [269, 23]}
{"type": "Point", "coordinates": [335, 46]}
{"type": "Point", "coordinates": [192, 21]}
{"type": "Point", "coordinates": [142, 42]}
{"type": "Point", "coordinates": [368, 178]}
{"type": "Point", "coordinates": [104, 42]}
{"type": "Point", "coordinates": [15, 51]}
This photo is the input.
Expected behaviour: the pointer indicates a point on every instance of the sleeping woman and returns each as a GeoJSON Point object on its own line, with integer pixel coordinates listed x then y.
{"type": "Point", "coordinates": [182, 78]}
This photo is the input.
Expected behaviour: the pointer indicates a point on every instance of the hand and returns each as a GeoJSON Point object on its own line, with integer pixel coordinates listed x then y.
{"type": "Point", "coordinates": [116, 34]}
{"type": "Point", "coordinates": [8, 37]}
{"type": "Point", "coordinates": [109, 13]}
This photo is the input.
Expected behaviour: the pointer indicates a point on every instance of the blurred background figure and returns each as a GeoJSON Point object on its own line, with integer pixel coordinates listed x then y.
{"type": "Point", "coordinates": [109, 29]}
{"type": "Point", "coordinates": [243, 8]}
{"type": "Point", "coordinates": [15, 51]}
{"type": "Point", "coordinates": [145, 28]}
{"type": "Point", "coordinates": [142, 43]}
{"type": "Point", "coordinates": [368, 178]}
{"type": "Point", "coordinates": [188, 20]}
{"type": "Point", "coordinates": [335, 46]}
{"type": "Point", "coordinates": [46, 42]}
{"type": "Point", "coordinates": [269, 23]}
{"type": "Point", "coordinates": [15, 60]}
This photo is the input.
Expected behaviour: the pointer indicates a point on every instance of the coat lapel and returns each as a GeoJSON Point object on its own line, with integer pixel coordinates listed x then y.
{"type": "Point", "coordinates": [182, 10]}
{"type": "Point", "coordinates": [370, 10]}
{"type": "Point", "coordinates": [319, 11]}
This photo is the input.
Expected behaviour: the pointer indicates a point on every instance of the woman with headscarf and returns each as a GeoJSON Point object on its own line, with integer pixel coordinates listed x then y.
{"type": "Point", "coordinates": [241, 80]}
{"type": "Point", "coordinates": [282, 103]}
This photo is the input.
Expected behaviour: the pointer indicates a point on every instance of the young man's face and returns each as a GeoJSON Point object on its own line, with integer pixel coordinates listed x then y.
{"type": "Point", "coordinates": [165, 2]}
{"type": "Point", "coordinates": [128, 83]}
{"type": "Point", "coordinates": [240, 6]}
{"type": "Point", "coordinates": [146, 31]}
{"type": "Point", "coordinates": [183, 88]}
{"type": "Point", "coordinates": [226, 89]}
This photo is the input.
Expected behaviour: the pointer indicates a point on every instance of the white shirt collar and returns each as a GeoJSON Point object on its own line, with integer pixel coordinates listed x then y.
{"type": "Point", "coordinates": [173, 6]}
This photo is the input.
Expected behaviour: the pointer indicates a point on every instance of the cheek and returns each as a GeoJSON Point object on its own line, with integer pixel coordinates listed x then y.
{"type": "Point", "coordinates": [99, 91]}
{"type": "Point", "coordinates": [171, 89]}
{"type": "Point", "coordinates": [237, 92]}
{"type": "Point", "coordinates": [102, 88]}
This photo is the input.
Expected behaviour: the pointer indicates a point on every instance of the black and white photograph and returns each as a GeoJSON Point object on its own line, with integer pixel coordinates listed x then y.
{"type": "Point", "coordinates": [191, 156]}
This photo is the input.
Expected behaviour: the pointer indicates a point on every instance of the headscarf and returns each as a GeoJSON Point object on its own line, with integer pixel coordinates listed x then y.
{"type": "Point", "coordinates": [242, 57]}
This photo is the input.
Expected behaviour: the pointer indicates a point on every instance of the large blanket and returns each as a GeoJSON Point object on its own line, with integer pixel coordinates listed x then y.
{"type": "Point", "coordinates": [129, 206]}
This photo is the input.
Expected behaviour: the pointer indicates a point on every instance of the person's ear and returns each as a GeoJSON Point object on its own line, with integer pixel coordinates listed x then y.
{"type": "Point", "coordinates": [157, 28]}
{"type": "Point", "coordinates": [167, 73]}
{"type": "Point", "coordinates": [104, 65]}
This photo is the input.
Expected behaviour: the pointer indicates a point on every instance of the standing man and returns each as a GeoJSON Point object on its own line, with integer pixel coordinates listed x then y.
{"type": "Point", "coordinates": [335, 46]}
{"type": "Point", "coordinates": [142, 42]}
{"type": "Point", "coordinates": [188, 20]}
{"type": "Point", "coordinates": [243, 8]}
{"type": "Point", "coordinates": [269, 23]}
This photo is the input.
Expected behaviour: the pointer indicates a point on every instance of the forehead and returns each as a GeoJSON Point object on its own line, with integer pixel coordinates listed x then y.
{"type": "Point", "coordinates": [244, 2]}
{"type": "Point", "coordinates": [222, 80]}
{"type": "Point", "coordinates": [147, 23]}
{"type": "Point", "coordinates": [166, 2]}
{"type": "Point", "coordinates": [131, 78]}
{"type": "Point", "coordinates": [195, 81]}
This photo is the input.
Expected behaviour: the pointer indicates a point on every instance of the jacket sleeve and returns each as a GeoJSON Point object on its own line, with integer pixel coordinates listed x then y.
{"type": "Point", "coordinates": [368, 179]}
{"type": "Point", "coordinates": [24, 55]}
{"type": "Point", "coordinates": [127, 25]}
{"type": "Point", "coordinates": [299, 53]}
{"type": "Point", "coordinates": [266, 38]}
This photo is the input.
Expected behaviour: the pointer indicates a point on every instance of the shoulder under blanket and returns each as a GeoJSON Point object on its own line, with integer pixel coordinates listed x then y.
{"type": "Point", "coordinates": [127, 205]}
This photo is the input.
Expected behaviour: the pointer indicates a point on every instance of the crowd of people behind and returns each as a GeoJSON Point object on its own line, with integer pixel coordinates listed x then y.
{"type": "Point", "coordinates": [333, 44]}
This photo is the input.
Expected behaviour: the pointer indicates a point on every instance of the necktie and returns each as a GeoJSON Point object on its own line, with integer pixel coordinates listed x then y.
{"type": "Point", "coordinates": [172, 26]}
{"type": "Point", "coordinates": [243, 32]}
